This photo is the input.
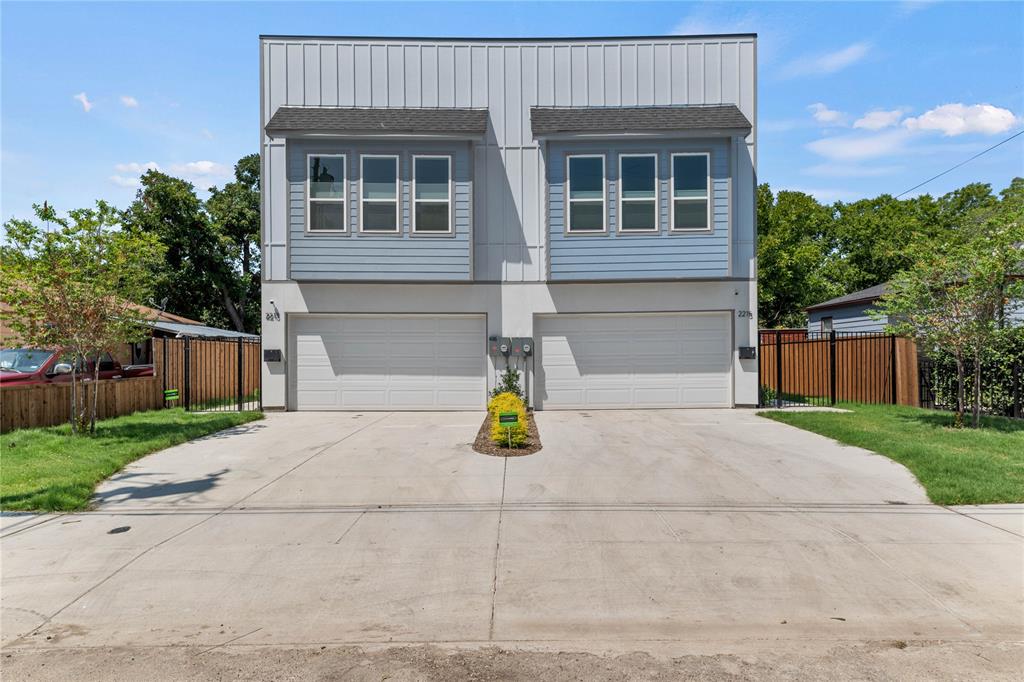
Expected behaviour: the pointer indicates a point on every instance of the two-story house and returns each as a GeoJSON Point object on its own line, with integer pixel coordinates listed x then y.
{"type": "Point", "coordinates": [421, 195]}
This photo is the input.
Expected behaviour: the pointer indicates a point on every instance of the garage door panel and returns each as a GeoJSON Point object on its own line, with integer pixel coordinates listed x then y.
{"type": "Point", "coordinates": [623, 361]}
{"type": "Point", "coordinates": [368, 362]}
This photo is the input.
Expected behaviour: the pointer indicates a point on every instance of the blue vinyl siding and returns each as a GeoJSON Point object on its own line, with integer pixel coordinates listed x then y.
{"type": "Point", "coordinates": [401, 256]}
{"type": "Point", "coordinates": [652, 255]}
{"type": "Point", "coordinates": [851, 318]}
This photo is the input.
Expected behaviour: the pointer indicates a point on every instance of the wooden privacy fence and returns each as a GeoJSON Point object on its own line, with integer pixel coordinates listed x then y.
{"type": "Point", "coordinates": [835, 367]}
{"type": "Point", "coordinates": [208, 374]}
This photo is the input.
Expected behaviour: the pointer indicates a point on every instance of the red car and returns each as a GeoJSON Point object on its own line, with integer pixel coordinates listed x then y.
{"type": "Point", "coordinates": [27, 366]}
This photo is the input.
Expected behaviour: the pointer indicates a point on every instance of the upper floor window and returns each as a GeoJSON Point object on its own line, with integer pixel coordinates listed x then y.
{"type": "Point", "coordinates": [691, 205]}
{"type": "Point", "coordinates": [432, 199]}
{"type": "Point", "coordinates": [326, 193]}
{"type": "Point", "coordinates": [378, 181]}
{"type": "Point", "coordinates": [638, 193]}
{"type": "Point", "coordinates": [586, 194]}
{"type": "Point", "coordinates": [826, 325]}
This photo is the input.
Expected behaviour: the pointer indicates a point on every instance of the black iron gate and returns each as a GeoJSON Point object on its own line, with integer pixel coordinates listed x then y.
{"type": "Point", "coordinates": [204, 375]}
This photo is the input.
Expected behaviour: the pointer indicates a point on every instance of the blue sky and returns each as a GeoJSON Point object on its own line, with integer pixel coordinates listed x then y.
{"type": "Point", "coordinates": [855, 99]}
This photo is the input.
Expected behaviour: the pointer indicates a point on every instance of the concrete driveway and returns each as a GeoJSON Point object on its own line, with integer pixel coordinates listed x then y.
{"type": "Point", "coordinates": [674, 531]}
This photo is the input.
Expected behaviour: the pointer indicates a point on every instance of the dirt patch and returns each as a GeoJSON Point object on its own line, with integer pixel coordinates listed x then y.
{"type": "Point", "coordinates": [918, 662]}
{"type": "Point", "coordinates": [485, 446]}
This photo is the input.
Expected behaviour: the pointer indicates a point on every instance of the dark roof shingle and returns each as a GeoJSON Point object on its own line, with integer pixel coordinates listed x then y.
{"type": "Point", "coordinates": [549, 120]}
{"type": "Point", "coordinates": [379, 120]}
{"type": "Point", "coordinates": [863, 296]}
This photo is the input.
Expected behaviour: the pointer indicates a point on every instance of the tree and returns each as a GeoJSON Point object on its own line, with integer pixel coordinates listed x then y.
{"type": "Point", "coordinates": [235, 215]}
{"type": "Point", "coordinates": [71, 289]}
{"type": "Point", "coordinates": [211, 268]}
{"type": "Point", "coordinates": [952, 297]}
{"type": "Point", "coordinates": [793, 249]}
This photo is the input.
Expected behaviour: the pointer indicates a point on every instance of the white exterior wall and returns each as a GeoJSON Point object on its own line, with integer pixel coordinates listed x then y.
{"type": "Point", "coordinates": [510, 311]}
{"type": "Point", "coordinates": [509, 193]}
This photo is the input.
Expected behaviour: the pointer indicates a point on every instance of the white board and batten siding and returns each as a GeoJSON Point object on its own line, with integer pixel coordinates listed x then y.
{"type": "Point", "coordinates": [662, 360]}
{"type": "Point", "coordinates": [509, 221]}
{"type": "Point", "coordinates": [387, 362]}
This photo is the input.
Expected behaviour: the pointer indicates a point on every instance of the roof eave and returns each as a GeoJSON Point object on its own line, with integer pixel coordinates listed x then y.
{"type": "Point", "coordinates": [641, 133]}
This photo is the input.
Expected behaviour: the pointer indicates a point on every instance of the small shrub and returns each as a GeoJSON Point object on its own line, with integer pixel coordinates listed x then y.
{"type": "Point", "coordinates": [508, 383]}
{"type": "Point", "coordinates": [508, 402]}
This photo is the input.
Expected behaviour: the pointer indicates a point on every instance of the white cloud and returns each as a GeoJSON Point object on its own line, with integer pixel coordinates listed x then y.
{"type": "Point", "coordinates": [134, 167]}
{"type": "Point", "coordinates": [908, 7]}
{"type": "Point", "coordinates": [206, 133]}
{"type": "Point", "coordinates": [200, 169]}
{"type": "Point", "coordinates": [843, 170]}
{"type": "Point", "coordinates": [858, 147]}
{"type": "Point", "coordinates": [959, 119]}
{"type": "Point", "coordinates": [129, 181]}
{"type": "Point", "coordinates": [822, 114]}
{"type": "Point", "coordinates": [84, 101]}
{"type": "Point", "coordinates": [878, 119]}
{"type": "Point", "coordinates": [129, 101]}
{"type": "Point", "coordinates": [824, 64]}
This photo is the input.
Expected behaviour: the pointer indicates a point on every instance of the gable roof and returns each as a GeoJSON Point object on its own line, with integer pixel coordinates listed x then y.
{"type": "Point", "coordinates": [868, 295]}
{"type": "Point", "coordinates": [378, 120]}
{"type": "Point", "coordinates": [549, 120]}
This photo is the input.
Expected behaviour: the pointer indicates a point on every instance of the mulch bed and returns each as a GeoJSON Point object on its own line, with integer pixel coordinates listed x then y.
{"type": "Point", "coordinates": [485, 446]}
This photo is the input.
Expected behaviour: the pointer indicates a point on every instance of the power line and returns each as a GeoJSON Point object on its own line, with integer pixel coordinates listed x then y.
{"type": "Point", "coordinates": [950, 170]}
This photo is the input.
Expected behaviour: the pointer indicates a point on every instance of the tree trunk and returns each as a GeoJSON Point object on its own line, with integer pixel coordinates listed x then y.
{"type": "Point", "coordinates": [977, 389]}
{"type": "Point", "coordinates": [229, 306]}
{"type": "Point", "coordinates": [95, 393]}
{"type": "Point", "coordinates": [959, 390]}
{"type": "Point", "coordinates": [73, 418]}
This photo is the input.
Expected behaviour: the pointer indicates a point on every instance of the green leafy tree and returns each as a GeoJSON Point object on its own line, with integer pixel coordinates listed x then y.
{"type": "Point", "coordinates": [794, 246]}
{"type": "Point", "coordinates": [953, 295]}
{"type": "Point", "coordinates": [70, 287]}
{"type": "Point", "coordinates": [235, 214]}
{"type": "Point", "coordinates": [211, 268]}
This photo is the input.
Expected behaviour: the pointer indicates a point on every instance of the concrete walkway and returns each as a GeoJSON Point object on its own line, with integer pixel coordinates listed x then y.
{"type": "Point", "coordinates": [695, 531]}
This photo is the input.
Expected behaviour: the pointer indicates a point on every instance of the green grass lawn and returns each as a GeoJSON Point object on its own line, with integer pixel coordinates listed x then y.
{"type": "Point", "coordinates": [955, 466]}
{"type": "Point", "coordinates": [48, 469]}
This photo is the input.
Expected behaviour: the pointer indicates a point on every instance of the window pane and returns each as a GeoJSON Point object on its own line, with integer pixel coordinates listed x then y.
{"type": "Point", "coordinates": [431, 178]}
{"type": "Point", "coordinates": [380, 216]}
{"type": "Point", "coordinates": [432, 217]}
{"type": "Point", "coordinates": [691, 214]}
{"type": "Point", "coordinates": [326, 215]}
{"type": "Point", "coordinates": [379, 177]}
{"type": "Point", "coordinates": [637, 215]}
{"type": "Point", "coordinates": [586, 178]}
{"type": "Point", "coordinates": [586, 215]}
{"type": "Point", "coordinates": [638, 177]}
{"type": "Point", "coordinates": [690, 176]}
{"type": "Point", "coordinates": [326, 177]}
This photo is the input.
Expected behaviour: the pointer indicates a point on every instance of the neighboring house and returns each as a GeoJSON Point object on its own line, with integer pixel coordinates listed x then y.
{"type": "Point", "coordinates": [850, 313]}
{"type": "Point", "coordinates": [164, 324]}
{"type": "Point", "coordinates": [847, 313]}
{"type": "Point", "coordinates": [595, 194]}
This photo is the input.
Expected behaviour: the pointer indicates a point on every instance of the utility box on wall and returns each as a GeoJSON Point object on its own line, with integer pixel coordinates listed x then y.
{"type": "Point", "coordinates": [522, 346]}
{"type": "Point", "coordinates": [499, 345]}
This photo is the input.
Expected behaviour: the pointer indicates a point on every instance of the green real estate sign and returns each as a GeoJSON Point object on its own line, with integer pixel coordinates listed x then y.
{"type": "Point", "coordinates": [508, 418]}
{"type": "Point", "coordinates": [171, 394]}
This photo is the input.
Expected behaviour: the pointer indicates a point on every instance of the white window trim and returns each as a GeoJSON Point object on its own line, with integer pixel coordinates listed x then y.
{"type": "Point", "coordinates": [672, 194]}
{"type": "Point", "coordinates": [831, 324]}
{"type": "Point", "coordinates": [342, 200]}
{"type": "Point", "coordinates": [622, 199]}
{"type": "Point", "coordinates": [414, 200]}
{"type": "Point", "coordinates": [603, 199]}
{"type": "Point", "coordinates": [397, 199]}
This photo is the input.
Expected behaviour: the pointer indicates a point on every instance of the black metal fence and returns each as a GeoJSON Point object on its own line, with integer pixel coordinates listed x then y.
{"type": "Point", "coordinates": [204, 375]}
{"type": "Point", "coordinates": [1000, 386]}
